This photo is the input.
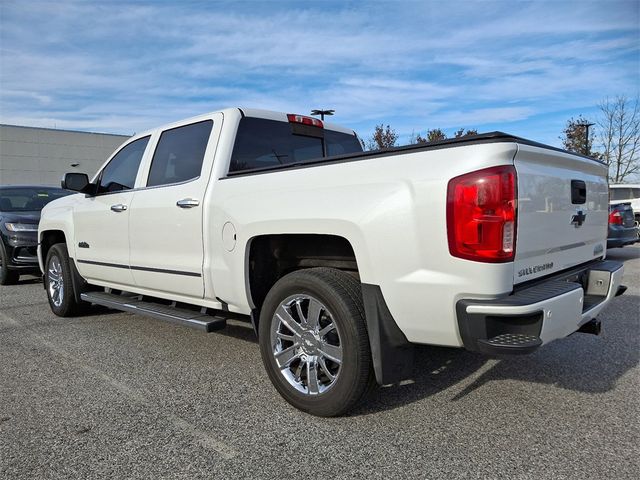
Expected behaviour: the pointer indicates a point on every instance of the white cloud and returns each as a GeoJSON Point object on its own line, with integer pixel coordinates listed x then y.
{"type": "Point", "coordinates": [124, 68]}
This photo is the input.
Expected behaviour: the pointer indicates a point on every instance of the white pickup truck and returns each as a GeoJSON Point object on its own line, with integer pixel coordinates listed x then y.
{"type": "Point", "coordinates": [341, 259]}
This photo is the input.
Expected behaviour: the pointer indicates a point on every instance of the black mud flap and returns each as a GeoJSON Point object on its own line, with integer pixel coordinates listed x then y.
{"type": "Point", "coordinates": [79, 283]}
{"type": "Point", "coordinates": [391, 351]}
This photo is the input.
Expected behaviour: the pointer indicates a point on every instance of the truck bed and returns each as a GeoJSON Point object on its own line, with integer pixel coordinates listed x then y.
{"type": "Point", "coordinates": [483, 138]}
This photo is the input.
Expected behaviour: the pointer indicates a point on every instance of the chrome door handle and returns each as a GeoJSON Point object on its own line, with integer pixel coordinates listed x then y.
{"type": "Point", "coordinates": [119, 207]}
{"type": "Point", "coordinates": [187, 203]}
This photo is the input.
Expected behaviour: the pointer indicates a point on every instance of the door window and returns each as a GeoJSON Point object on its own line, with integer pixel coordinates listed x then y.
{"type": "Point", "coordinates": [120, 173]}
{"type": "Point", "coordinates": [179, 154]}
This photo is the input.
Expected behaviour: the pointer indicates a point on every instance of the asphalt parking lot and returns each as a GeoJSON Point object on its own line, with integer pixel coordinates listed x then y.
{"type": "Point", "coordinates": [115, 395]}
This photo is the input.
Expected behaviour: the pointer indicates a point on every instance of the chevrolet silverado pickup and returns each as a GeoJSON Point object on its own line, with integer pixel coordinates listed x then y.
{"type": "Point", "coordinates": [341, 259]}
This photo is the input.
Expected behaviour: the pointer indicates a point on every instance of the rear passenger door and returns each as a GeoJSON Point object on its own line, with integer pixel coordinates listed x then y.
{"type": "Point", "coordinates": [165, 224]}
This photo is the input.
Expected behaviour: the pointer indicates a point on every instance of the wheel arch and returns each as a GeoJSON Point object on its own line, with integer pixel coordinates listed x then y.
{"type": "Point", "coordinates": [48, 239]}
{"type": "Point", "coordinates": [269, 257]}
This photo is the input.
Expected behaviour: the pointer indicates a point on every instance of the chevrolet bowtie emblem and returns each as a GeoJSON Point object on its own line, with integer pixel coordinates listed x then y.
{"type": "Point", "coordinates": [578, 219]}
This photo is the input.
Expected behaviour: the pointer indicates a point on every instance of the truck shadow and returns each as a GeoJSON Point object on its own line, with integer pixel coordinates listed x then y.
{"type": "Point", "coordinates": [581, 363]}
{"type": "Point", "coordinates": [29, 279]}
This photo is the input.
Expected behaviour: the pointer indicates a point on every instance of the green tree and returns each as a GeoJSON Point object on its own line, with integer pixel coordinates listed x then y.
{"type": "Point", "coordinates": [461, 133]}
{"type": "Point", "coordinates": [433, 135]}
{"type": "Point", "coordinates": [574, 136]}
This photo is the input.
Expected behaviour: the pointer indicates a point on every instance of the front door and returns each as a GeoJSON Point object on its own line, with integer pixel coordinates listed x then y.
{"type": "Point", "coordinates": [165, 224]}
{"type": "Point", "coordinates": [101, 221]}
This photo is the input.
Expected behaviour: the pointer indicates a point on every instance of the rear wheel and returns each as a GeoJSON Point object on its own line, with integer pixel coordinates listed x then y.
{"type": "Point", "coordinates": [7, 276]}
{"type": "Point", "coordinates": [58, 283]}
{"type": "Point", "coordinates": [314, 342]}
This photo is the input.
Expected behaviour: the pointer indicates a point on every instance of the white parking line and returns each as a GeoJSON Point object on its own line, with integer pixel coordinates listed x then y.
{"type": "Point", "coordinates": [203, 438]}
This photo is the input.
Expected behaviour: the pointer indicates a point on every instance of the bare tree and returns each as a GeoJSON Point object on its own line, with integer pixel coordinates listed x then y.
{"type": "Point", "coordinates": [383, 137]}
{"type": "Point", "coordinates": [619, 137]}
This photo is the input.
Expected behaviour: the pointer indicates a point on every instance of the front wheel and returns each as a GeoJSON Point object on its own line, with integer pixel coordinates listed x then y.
{"type": "Point", "coordinates": [58, 283]}
{"type": "Point", "coordinates": [314, 342]}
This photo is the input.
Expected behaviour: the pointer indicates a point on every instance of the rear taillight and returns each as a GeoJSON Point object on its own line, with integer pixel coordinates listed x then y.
{"type": "Point", "coordinates": [481, 215]}
{"type": "Point", "coordinates": [314, 122]}
{"type": "Point", "coordinates": [615, 218]}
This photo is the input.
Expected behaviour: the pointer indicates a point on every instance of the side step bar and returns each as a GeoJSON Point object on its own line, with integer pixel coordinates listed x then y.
{"type": "Point", "coordinates": [136, 304]}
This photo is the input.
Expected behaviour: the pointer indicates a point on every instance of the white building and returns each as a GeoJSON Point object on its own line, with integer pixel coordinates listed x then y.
{"type": "Point", "coordinates": [41, 156]}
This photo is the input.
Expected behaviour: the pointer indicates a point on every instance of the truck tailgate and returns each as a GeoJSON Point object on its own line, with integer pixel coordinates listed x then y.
{"type": "Point", "coordinates": [562, 211]}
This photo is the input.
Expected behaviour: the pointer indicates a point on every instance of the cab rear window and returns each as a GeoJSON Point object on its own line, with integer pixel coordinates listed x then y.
{"type": "Point", "coordinates": [262, 143]}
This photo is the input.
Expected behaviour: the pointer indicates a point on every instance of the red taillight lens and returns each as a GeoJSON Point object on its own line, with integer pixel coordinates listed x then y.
{"type": "Point", "coordinates": [314, 122]}
{"type": "Point", "coordinates": [481, 215]}
{"type": "Point", "coordinates": [615, 218]}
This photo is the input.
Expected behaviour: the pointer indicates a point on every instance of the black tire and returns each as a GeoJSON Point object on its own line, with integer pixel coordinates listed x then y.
{"type": "Point", "coordinates": [64, 305]}
{"type": "Point", "coordinates": [340, 294]}
{"type": "Point", "coordinates": [7, 276]}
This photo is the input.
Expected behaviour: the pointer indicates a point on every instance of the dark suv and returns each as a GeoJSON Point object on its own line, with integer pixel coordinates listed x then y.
{"type": "Point", "coordinates": [623, 229]}
{"type": "Point", "coordinates": [20, 207]}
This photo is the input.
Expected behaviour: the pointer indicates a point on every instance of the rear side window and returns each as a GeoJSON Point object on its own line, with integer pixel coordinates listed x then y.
{"type": "Point", "coordinates": [179, 154]}
{"type": "Point", "coordinates": [262, 143]}
{"type": "Point", "coordinates": [340, 143]}
{"type": "Point", "coordinates": [636, 192]}
{"type": "Point", "coordinates": [120, 173]}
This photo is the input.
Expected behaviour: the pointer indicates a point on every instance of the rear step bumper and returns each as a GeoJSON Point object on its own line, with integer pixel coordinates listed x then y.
{"type": "Point", "coordinates": [135, 304]}
{"type": "Point", "coordinates": [522, 322]}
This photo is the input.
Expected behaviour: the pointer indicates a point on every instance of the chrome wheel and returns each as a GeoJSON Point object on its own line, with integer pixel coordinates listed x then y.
{"type": "Point", "coordinates": [56, 281]}
{"type": "Point", "coordinates": [306, 344]}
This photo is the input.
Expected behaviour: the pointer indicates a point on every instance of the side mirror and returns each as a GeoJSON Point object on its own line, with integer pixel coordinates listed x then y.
{"type": "Point", "coordinates": [77, 182]}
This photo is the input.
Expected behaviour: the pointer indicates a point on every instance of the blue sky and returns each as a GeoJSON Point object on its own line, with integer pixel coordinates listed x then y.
{"type": "Point", "coordinates": [520, 67]}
